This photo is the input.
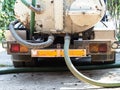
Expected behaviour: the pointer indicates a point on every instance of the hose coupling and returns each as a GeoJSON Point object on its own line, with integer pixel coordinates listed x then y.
{"type": "Point", "coordinates": [67, 37]}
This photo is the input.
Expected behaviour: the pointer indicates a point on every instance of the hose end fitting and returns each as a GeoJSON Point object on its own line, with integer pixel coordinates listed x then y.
{"type": "Point", "coordinates": [67, 37]}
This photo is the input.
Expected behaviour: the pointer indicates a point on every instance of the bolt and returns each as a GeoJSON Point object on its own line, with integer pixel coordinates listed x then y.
{"type": "Point", "coordinates": [41, 25]}
{"type": "Point", "coordinates": [52, 1]}
{"type": "Point", "coordinates": [38, 6]}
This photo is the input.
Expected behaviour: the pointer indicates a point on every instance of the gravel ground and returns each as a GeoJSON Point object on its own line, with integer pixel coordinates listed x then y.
{"type": "Point", "coordinates": [53, 80]}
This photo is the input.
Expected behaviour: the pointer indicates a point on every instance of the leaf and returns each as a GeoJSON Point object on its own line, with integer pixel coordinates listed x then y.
{"type": "Point", "coordinates": [6, 15]}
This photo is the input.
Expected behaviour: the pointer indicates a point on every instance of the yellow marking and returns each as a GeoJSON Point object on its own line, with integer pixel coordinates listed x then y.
{"type": "Point", "coordinates": [58, 53]}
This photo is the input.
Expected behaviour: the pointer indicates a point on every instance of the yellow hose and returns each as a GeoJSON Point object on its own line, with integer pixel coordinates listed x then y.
{"type": "Point", "coordinates": [79, 75]}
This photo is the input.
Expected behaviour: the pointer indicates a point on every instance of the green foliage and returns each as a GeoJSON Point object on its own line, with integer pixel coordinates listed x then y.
{"type": "Point", "coordinates": [1, 35]}
{"type": "Point", "coordinates": [114, 9]}
{"type": "Point", "coordinates": [4, 20]}
{"type": "Point", "coordinates": [6, 15]}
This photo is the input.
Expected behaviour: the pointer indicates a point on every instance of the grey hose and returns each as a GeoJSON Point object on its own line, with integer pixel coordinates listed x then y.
{"type": "Point", "coordinates": [31, 7]}
{"type": "Point", "coordinates": [79, 75]}
{"type": "Point", "coordinates": [28, 44]}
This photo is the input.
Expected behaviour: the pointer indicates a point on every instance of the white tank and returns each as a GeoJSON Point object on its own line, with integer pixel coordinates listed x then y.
{"type": "Point", "coordinates": [62, 16]}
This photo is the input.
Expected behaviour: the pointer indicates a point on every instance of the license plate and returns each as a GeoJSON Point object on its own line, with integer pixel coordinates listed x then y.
{"type": "Point", "coordinates": [58, 53]}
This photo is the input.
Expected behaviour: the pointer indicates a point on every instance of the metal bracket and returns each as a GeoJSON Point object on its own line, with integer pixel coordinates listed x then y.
{"type": "Point", "coordinates": [4, 43]}
{"type": "Point", "coordinates": [116, 45]}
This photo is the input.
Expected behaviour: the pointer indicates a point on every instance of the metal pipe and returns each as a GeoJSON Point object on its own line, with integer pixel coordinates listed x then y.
{"type": "Point", "coordinates": [32, 21]}
{"type": "Point", "coordinates": [32, 7]}
{"type": "Point", "coordinates": [79, 75]}
{"type": "Point", "coordinates": [28, 44]}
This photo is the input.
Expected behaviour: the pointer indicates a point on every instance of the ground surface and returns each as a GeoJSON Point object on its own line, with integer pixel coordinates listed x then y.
{"type": "Point", "coordinates": [53, 80]}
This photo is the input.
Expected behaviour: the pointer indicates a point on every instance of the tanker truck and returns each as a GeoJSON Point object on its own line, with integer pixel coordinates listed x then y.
{"type": "Point", "coordinates": [41, 26]}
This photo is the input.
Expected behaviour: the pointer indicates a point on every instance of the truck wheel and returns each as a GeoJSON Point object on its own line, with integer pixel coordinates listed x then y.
{"type": "Point", "coordinates": [22, 61]}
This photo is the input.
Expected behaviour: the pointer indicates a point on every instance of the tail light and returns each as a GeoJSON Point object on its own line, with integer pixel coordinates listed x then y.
{"type": "Point", "coordinates": [103, 48]}
{"type": "Point", "coordinates": [98, 48]}
{"type": "Point", "coordinates": [23, 49]}
{"type": "Point", "coordinates": [93, 47]}
{"type": "Point", "coordinates": [17, 48]}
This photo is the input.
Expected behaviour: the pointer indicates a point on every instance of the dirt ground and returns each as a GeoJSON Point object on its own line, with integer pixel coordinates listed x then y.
{"type": "Point", "coordinates": [53, 80]}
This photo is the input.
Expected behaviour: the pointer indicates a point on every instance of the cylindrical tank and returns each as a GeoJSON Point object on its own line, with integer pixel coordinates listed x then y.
{"type": "Point", "coordinates": [62, 16]}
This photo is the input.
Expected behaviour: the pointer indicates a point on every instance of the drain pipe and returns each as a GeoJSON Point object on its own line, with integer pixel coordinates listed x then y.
{"type": "Point", "coordinates": [79, 75]}
{"type": "Point", "coordinates": [28, 44]}
{"type": "Point", "coordinates": [32, 21]}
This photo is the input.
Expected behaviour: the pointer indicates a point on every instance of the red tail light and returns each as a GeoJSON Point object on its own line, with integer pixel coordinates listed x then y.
{"type": "Point", "coordinates": [103, 48]}
{"type": "Point", "coordinates": [15, 48]}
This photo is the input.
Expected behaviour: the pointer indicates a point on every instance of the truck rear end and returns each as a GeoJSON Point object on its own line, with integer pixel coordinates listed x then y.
{"type": "Point", "coordinates": [46, 23]}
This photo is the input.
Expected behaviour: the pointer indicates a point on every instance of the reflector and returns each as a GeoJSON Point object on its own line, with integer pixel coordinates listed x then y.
{"type": "Point", "coordinates": [57, 52]}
